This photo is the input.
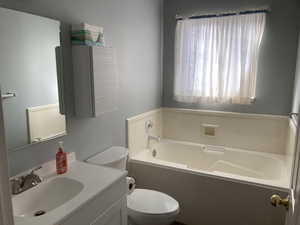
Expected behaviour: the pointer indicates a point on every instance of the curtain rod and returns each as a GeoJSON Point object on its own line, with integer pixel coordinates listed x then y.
{"type": "Point", "coordinates": [223, 14]}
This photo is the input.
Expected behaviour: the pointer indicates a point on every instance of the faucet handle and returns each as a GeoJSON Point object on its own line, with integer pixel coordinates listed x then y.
{"type": "Point", "coordinates": [16, 184]}
{"type": "Point", "coordinates": [36, 169]}
{"type": "Point", "coordinates": [36, 179]}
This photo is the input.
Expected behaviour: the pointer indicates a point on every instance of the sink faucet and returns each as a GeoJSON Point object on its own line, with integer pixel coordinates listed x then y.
{"type": "Point", "coordinates": [23, 183]}
{"type": "Point", "coordinates": [151, 137]}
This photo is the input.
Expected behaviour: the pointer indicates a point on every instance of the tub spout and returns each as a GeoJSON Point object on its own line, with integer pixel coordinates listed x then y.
{"type": "Point", "coordinates": [151, 137]}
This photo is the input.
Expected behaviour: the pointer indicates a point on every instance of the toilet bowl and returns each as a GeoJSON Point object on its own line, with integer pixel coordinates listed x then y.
{"type": "Point", "coordinates": [148, 207]}
{"type": "Point", "coordinates": [144, 206]}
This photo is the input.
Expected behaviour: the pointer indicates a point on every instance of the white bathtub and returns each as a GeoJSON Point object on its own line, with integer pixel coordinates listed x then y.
{"type": "Point", "coordinates": [226, 163]}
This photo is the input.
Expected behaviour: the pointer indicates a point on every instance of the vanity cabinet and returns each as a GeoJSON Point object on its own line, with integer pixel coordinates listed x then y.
{"type": "Point", "coordinates": [95, 80]}
{"type": "Point", "coordinates": [107, 208]}
{"type": "Point", "coordinates": [115, 215]}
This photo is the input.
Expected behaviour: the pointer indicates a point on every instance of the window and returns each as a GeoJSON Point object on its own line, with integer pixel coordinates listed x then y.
{"type": "Point", "coordinates": [216, 58]}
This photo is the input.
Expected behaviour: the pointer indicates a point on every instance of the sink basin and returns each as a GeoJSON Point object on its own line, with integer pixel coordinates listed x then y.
{"type": "Point", "coordinates": [45, 197]}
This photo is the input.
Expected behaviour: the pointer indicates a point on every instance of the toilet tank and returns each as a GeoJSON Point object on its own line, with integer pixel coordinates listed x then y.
{"type": "Point", "coordinates": [115, 157]}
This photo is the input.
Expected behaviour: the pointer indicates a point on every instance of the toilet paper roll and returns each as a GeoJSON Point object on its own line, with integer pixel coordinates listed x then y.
{"type": "Point", "coordinates": [130, 184]}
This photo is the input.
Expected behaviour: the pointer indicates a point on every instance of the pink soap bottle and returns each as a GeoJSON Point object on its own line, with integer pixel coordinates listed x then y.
{"type": "Point", "coordinates": [61, 160]}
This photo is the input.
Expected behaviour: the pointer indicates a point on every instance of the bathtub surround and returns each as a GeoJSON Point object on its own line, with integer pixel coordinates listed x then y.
{"type": "Point", "coordinates": [253, 132]}
{"type": "Point", "coordinates": [127, 25]}
{"type": "Point", "coordinates": [136, 130]}
{"type": "Point", "coordinates": [263, 133]}
{"type": "Point", "coordinates": [277, 60]}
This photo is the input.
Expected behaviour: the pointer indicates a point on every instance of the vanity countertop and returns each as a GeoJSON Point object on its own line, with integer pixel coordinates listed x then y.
{"type": "Point", "coordinates": [95, 180]}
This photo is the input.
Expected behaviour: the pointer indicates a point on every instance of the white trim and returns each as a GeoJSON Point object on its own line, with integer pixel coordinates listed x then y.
{"type": "Point", "coordinates": [42, 107]}
{"type": "Point", "coordinates": [225, 114]}
{"type": "Point", "coordinates": [293, 125]}
{"type": "Point", "coordinates": [143, 115]}
{"type": "Point", "coordinates": [208, 113]}
{"type": "Point", "coordinates": [6, 214]}
{"type": "Point", "coordinates": [294, 120]}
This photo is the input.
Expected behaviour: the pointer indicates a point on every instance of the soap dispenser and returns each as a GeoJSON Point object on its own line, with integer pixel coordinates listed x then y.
{"type": "Point", "coordinates": [61, 160]}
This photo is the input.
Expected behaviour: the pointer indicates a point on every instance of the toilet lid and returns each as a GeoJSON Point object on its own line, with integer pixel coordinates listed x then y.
{"type": "Point", "coordinates": [151, 202]}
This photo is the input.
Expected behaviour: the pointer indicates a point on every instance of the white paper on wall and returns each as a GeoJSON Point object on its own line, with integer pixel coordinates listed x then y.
{"type": "Point", "coordinates": [45, 122]}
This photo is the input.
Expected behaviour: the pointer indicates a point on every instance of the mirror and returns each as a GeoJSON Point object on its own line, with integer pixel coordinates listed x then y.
{"type": "Point", "coordinates": [28, 78]}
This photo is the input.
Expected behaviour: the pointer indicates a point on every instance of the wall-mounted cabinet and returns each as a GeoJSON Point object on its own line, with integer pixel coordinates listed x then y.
{"type": "Point", "coordinates": [95, 80]}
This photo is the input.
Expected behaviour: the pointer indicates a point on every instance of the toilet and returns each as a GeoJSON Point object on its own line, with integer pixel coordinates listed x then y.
{"type": "Point", "coordinates": [145, 207]}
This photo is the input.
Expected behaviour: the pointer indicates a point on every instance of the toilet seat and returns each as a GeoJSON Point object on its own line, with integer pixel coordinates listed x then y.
{"type": "Point", "coordinates": [151, 202]}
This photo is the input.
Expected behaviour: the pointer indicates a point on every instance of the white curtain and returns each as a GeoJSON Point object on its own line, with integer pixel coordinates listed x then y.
{"type": "Point", "coordinates": [216, 58]}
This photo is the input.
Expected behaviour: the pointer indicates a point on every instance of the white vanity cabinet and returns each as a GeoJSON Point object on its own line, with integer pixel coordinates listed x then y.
{"type": "Point", "coordinates": [107, 208]}
{"type": "Point", "coordinates": [86, 195]}
{"type": "Point", "coordinates": [95, 80]}
{"type": "Point", "coordinates": [115, 215]}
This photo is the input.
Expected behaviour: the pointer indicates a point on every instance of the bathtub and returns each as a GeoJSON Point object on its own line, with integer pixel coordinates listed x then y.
{"type": "Point", "coordinates": [237, 165]}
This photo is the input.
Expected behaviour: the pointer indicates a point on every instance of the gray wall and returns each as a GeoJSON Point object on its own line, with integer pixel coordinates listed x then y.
{"type": "Point", "coordinates": [27, 67]}
{"type": "Point", "coordinates": [277, 59]}
{"type": "Point", "coordinates": [133, 27]}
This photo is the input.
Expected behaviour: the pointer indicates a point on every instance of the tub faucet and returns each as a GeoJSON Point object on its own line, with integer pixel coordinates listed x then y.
{"type": "Point", "coordinates": [152, 137]}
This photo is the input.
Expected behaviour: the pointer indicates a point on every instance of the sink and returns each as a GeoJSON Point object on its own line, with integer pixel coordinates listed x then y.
{"type": "Point", "coordinates": [45, 197]}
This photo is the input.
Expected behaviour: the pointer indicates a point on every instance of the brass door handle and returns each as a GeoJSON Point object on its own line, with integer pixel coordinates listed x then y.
{"type": "Point", "coordinates": [276, 201]}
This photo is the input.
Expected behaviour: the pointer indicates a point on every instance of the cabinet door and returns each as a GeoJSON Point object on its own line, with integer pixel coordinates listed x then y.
{"type": "Point", "coordinates": [116, 215]}
{"type": "Point", "coordinates": [83, 82]}
{"type": "Point", "coordinates": [105, 80]}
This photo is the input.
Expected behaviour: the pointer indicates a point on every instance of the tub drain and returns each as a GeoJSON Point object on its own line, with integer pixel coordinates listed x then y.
{"type": "Point", "coordinates": [39, 213]}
